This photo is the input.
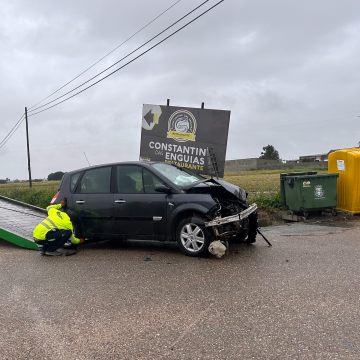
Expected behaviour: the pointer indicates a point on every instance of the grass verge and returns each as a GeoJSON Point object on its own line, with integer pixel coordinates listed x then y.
{"type": "Point", "coordinates": [39, 195]}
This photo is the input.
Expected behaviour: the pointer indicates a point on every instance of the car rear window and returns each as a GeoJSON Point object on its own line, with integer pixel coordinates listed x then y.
{"type": "Point", "coordinates": [96, 181]}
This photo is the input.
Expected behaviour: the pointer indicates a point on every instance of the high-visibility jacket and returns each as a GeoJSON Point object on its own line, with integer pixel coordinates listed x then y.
{"type": "Point", "coordinates": [56, 220]}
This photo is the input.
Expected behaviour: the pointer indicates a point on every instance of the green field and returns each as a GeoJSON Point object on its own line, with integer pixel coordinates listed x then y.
{"type": "Point", "coordinates": [39, 195]}
{"type": "Point", "coordinates": [263, 187]}
{"type": "Point", "coordinates": [259, 181]}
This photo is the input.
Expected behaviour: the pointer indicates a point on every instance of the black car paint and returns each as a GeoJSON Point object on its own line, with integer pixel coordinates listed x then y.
{"type": "Point", "coordinates": [101, 218]}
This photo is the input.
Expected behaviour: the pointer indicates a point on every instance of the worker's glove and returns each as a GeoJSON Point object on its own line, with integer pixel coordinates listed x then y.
{"type": "Point", "coordinates": [63, 202]}
{"type": "Point", "coordinates": [81, 241]}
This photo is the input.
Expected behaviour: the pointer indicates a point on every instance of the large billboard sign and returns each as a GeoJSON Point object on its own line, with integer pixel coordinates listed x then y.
{"type": "Point", "coordinates": [182, 136]}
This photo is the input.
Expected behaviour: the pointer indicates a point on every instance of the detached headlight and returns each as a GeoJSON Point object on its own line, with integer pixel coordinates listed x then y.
{"type": "Point", "coordinates": [242, 194]}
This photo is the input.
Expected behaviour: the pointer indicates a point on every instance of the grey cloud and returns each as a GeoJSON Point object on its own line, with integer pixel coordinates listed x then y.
{"type": "Point", "coordinates": [281, 68]}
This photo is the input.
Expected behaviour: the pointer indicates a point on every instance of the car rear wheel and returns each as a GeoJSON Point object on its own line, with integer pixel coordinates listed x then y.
{"type": "Point", "coordinates": [192, 239]}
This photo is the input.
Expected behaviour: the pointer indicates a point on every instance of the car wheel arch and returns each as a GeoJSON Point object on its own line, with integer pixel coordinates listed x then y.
{"type": "Point", "coordinates": [183, 215]}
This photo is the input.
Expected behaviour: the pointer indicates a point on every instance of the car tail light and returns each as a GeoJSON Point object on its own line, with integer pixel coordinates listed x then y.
{"type": "Point", "coordinates": [54, 198]}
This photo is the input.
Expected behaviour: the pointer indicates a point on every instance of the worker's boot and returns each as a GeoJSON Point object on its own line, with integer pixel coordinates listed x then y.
{"type": "Point", "coordinates": [42, 249]}
{"type": "Point", "coordinates": [53, 253]}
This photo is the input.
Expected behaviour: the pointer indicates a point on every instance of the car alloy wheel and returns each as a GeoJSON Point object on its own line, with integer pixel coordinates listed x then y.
{"type": "Point", "coordinates": [193, 239]}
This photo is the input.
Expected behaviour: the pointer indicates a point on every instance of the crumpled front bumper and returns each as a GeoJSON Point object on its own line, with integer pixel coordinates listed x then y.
{"type": "Point", "coordinates": [238, 217]}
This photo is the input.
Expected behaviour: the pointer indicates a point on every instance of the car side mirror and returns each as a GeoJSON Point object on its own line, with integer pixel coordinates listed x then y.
{"type": "Point", "coordinates": [162, 189]}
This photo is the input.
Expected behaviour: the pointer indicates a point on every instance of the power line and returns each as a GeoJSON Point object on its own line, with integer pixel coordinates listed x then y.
{"type": "Point", "coordinates": [20, 121]}
{"type": "Point", "coordinates": [50, 102]}
{"type": "Point", "coordinates": [12, 131]}
{"type": "Point", "coordinates": [12, 128]}
{"type": "Point", "coordinates": [131, 60]}
{"type": "Point", "coordinates": [106, 55]}
{"type": "Point", "coordinates": [107, 144]}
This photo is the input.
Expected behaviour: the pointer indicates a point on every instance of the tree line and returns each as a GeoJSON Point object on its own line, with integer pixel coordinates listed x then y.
{"type": "Point", "coordinates": [56, 176]}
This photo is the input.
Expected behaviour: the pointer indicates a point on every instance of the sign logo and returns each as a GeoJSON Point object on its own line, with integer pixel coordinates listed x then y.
{"type": "Point", "coordinates": [306, 184]}
{"type": "Point", "coordinates": [319, 191]}
{"type": "Point", "coordinates": [182, 126]}
{"type": "Point", "coordinates": [151, 115]}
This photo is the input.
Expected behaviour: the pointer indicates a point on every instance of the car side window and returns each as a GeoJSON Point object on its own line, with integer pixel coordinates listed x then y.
{"type": "Point", "coordinates": [96, 181]}
{"type": "Point", "coordinates": [150, 180]}
{"type": "Point", "coordinates": [129, 179]}
{"type": "Point", "coordinates": [73, 181]}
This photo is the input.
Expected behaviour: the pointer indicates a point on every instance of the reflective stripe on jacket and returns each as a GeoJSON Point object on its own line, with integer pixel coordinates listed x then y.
{"type": "Point", "coordinates": [56, 220]}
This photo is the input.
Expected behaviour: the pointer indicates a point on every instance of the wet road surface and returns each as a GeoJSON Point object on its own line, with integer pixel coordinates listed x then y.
{"type": "Point", "coordinates": [296, 300]}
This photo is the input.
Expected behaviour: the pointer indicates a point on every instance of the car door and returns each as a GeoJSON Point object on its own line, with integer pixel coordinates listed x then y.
{"type": "Point", "coordinates": [93, 203]}
{"type": "Point", "coordinates": [140, 211]}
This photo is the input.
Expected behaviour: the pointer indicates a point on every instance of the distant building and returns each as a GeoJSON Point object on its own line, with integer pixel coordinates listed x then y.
{"type": "Point", "coordinates": [316, 157]}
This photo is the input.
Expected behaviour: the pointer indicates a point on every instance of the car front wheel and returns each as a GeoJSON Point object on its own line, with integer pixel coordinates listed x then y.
{"type": "Point", "coordinates": [192, 239]}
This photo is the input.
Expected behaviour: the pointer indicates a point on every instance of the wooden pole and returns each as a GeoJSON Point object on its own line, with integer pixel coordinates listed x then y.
{"type": "Point", "coordinates": [28, 148]}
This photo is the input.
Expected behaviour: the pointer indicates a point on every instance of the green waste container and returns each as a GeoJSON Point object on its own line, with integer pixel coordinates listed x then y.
{"type": "Point", "coordinates": [311, 192]}
{"type": "Point", "coordinates": [282, 186]}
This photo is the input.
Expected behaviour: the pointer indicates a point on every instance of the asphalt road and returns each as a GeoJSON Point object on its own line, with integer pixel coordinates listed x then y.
{"type": "Point", "coordinates": [296, 300]}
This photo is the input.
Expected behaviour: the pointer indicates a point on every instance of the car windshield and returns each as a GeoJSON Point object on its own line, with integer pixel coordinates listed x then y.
{"type": "Point", "coordinates": [177, 175]}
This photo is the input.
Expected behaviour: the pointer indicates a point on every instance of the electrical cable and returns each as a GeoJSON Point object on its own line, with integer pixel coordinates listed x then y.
{"type": "Point", "coordinates": [50, 102]}
{"type": "Point", "coordinates": [12, 131]}
{"type": "Point", "coordinates": [12, 128]}
{"type": "Point", "coordinates": [106, 54]}
{"type": "Point", "coordinates": [132, 59]}
{"type": "Point", "coordinates": [20, 121]}
{"type": "Point", "coordinates": [37, 148]}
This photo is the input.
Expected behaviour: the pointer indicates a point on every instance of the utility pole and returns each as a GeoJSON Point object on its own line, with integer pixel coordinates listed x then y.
{"type": "Point", "coordinates": [28, 148]}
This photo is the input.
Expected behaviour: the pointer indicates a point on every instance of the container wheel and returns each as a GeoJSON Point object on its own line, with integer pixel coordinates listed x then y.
{"type": "Point", "coordinates": [319, 212]}
{"type": "Point", "coordinates": [306, 215]}
{"type": "Point", "coordinates": [333, 212]}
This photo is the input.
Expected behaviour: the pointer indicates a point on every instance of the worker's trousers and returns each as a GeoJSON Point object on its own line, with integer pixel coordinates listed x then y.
{"type": "Point", "coordinates": [55, 239]}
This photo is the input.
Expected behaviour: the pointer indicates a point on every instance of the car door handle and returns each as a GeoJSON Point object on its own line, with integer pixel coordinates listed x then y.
{"type": "Point", "coordinates": [80, 201]}
{"type": "Point", "coordinates": [120, 201]}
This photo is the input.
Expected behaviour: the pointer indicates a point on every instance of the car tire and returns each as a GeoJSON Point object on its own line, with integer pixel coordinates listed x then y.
{"type": "Point", "coordinates": [242, 233]}
{"type": "Point", "coordinates": [193, 239]}
{"type": "Point", "coordinates": [253, 226]}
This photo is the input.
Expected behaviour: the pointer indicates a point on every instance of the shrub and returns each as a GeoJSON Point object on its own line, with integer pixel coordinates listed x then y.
{"type": "Point", "coordinates": [268, 201]}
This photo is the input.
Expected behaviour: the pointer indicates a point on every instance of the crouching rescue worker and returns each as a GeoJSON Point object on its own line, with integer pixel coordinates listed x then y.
{"type": "Point", "coordinates": [54, 231]}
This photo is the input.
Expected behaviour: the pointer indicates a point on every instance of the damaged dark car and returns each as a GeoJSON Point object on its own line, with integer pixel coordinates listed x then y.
{"type": "Point", "coordinates": [156, 201]}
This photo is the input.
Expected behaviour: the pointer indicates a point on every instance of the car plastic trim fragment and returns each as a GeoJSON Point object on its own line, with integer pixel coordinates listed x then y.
{"type": "Point", "coordinates": [242, 215]}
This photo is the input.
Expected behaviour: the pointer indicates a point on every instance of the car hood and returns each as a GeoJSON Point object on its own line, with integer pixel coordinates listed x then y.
{"type": "Point", "coordinates": [236, 190]}
{"type": "Point", "coordinates": [217, 187]}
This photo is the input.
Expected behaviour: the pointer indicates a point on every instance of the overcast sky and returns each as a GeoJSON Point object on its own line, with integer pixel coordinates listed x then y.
{"type": "Point", "coordinates": [288, 72]}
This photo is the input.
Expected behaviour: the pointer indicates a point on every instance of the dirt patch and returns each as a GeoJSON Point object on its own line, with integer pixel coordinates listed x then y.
{"type": "Point", "coordinates": [343, 219]}
{"type": "Point", "coordinates": [271, 215]}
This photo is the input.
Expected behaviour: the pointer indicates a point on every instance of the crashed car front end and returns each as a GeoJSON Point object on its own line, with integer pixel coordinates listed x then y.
{"type": "Point", "coordinates": [232, 218]}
